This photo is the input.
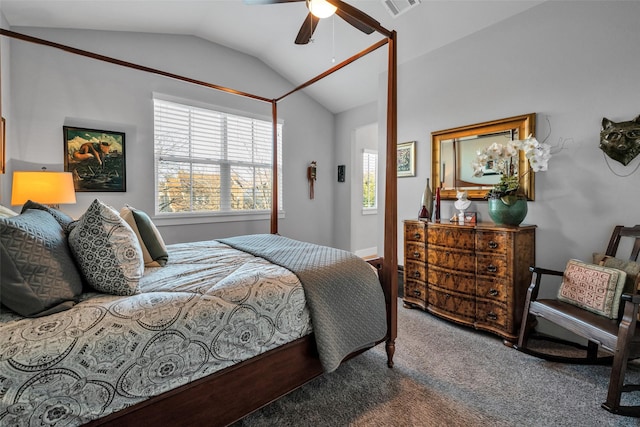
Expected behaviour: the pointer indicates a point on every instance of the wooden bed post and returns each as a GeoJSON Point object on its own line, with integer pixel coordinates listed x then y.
{"type": "Point", "coordinates": [274, 170]}
{"type": "Point", "coordinates": [390, 260]}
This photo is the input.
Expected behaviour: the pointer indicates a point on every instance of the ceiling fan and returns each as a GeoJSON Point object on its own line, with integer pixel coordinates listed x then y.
{"type": "Point", "coordinates": [319, 9]}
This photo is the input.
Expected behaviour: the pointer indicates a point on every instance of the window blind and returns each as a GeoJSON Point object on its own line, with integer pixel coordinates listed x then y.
{"type": "Point", "coordinates": [212, 161]}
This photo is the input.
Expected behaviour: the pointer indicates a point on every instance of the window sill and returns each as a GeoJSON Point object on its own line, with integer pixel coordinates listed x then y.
{"type": "Point", "coordinates": [369, 211]}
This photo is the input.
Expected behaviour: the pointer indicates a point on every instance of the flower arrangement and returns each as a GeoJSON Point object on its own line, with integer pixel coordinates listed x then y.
{"type": "Point", "coordinates": [504, 160]}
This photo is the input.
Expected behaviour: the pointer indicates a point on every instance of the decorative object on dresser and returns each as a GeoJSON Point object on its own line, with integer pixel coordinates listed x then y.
{"type": "Point", "coordinates": [475, 275]}
{"type": "Point", "coordinates": [426, 203]}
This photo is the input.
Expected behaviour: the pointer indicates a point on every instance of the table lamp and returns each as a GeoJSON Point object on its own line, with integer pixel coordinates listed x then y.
{"type": "Point", "coordinates": [44, 187]}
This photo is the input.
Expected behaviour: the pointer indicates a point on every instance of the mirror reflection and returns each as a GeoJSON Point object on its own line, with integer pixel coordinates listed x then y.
{"type": "Point", "coordinates": [454, 150]}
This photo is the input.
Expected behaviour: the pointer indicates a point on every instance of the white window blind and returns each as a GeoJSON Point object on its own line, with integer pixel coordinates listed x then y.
{"type": "Point", "coordinates": [369, 179]}
{"type": "Point", "coordinates": [212, 161]}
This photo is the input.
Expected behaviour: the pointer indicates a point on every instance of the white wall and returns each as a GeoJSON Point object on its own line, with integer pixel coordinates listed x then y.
{"type": "Point", "coordinates": [572, 63]}
{"type": "Point", "coordinates": [51, 88]}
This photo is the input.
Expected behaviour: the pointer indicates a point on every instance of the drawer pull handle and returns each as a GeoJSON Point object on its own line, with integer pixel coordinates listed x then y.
{"type": "Point", "coordinates": [493, 292]}
{"type": "Point", "coordinates": [492, 268]}
{"type": "Point", "coordinates": [492, 316]}
{"type": "Point", "coordinates": [417, 235]}
{"type": "Point", "coordinates": [416, 254]}
{"type": "Point", "coordinates": [447, 296]}
{"type": "Point", "coordinates": [416, 274]}
{"type": "Point", "coordinates": [446, 275]}
{"type": "Point", "coordinates": [492, 244]}
{"type": "Point", "coordinates": [417, 293]}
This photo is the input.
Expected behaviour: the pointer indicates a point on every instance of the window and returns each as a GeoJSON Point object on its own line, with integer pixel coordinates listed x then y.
{"type": "Point", "coordinates": [213, 162]}
{"type": "Point", "coordinates": [369, 180]}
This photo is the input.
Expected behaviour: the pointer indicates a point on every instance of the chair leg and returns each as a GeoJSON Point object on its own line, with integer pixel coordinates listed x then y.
{"type": "Point", "coordinates": [620, 359]}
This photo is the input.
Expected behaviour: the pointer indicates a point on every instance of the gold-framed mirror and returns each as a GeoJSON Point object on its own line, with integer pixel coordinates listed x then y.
{"type": "Point", "coordinates": [453, 150]}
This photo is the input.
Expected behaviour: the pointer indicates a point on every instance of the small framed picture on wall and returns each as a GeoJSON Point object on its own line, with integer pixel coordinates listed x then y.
{"type": "Point", "coordinates": [406, 159]}
{"type": "Point", "coordinates": [96, 159]}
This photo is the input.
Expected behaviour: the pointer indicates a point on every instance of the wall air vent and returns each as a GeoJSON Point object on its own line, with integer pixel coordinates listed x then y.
{"type": "Point", "coordinates": [398, 7]}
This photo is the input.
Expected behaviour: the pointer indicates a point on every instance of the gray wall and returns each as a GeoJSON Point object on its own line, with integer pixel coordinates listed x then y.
{"type": "Point", "coordinates": [572, 63]}
{"type": "Point", "coordinates": [51, 88]}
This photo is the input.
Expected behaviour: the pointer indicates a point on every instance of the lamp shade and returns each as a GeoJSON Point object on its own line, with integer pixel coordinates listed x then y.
{"type": "Point", "coordinates": [47, 188]}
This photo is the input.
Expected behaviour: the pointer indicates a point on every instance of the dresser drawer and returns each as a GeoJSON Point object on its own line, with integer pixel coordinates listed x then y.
{"type": "Point", "coordinates": [414, 232]}
{"type": "Point", "coordinates": [451, 259]}
{"type": "Point", "coordinates": [415, 251]}
{"type": "Point", "coordinates": [458, 307]}
{"type": "Point", "coordinates": [492, 289]}
{"type": "Point", "coordinates": [452, 280]}
{"type": "Point", "coordinates": [491, 265]}
{"type": "Point", "coordinates": [492, 242]}
{"type": "Point", "coordinates": [415, 290]}
{"type": "Point", "coordinates": [492, 315]}
{"type": "Point", "coordinates": [415, 270]}
{"type": "Point", "coordinates": [451, 237]}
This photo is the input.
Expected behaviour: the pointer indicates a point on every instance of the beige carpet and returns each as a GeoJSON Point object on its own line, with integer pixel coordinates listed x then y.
{"type": "Point", "coordinates": [448, 375]}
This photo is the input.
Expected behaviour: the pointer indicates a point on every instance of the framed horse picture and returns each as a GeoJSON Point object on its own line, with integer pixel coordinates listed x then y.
{"type": "Point", "coordinates": [95, 158]}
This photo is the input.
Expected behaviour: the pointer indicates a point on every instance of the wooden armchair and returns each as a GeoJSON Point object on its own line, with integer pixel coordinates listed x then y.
{"type": "Point", "coordinates": [619, 335]}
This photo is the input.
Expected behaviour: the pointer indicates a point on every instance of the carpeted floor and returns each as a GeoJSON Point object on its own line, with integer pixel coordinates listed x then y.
{"type": "Point", "coordinates": [448, 375]}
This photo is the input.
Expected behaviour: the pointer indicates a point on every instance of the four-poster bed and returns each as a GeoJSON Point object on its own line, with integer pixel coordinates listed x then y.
{"type": "Point", "coordinates": [229, 394]}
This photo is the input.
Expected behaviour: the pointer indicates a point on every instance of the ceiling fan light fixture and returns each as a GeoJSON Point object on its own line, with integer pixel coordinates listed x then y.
{"type": "Point", "coordinates": [321, 8]}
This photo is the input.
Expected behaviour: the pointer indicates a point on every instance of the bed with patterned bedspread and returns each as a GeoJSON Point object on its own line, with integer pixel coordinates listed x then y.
{"type": "Point", "coordinates": [209, 307]}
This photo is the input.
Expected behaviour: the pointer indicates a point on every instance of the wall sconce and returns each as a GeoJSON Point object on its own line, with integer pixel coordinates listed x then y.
{"type": "Point", "coordinates": [47, 188]}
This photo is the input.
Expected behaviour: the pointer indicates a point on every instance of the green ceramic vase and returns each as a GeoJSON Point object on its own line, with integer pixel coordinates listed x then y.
{"type": "Point", "coordinates": [507, 214]}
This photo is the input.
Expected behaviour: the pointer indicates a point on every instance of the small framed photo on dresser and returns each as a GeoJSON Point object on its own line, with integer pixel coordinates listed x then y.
{"type": "Point", "coordinates": [470, 217]}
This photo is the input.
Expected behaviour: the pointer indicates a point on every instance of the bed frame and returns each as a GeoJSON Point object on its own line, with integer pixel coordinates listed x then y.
{"type": "Point", "coordinates": [232, 393]}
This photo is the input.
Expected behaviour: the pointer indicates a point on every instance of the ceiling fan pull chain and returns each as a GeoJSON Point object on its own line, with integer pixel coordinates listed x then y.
{"type": "Point", "coordinates": [333, 42]}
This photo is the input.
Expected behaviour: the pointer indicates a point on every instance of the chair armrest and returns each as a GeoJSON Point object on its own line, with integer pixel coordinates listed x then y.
{"type": "Point", "coordinates": [539, 270]}
{"type": "Point", "coordinates": [536, 280]}
{"type": "Point", "coordinates": [632, 298]}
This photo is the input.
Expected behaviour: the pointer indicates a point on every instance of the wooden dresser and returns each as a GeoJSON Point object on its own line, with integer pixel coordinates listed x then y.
{"type": "Point", "coordinates": [475, 275]}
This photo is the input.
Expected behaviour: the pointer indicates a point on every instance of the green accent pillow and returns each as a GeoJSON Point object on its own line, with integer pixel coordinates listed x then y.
{"type": "Point", "coordinates": [593, 287]}
{"type": "Point", "coordinates": [153, 248]}
{"type": "Point", "coordinates": [38, 274]}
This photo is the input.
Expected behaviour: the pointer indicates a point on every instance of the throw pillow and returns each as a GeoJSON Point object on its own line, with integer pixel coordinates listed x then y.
{"type": "Point", "coordinates": [593, 287]}
{"type": "Point", "coordinates": [632, 269]}
{"type": "Point", "coordinates": [38, 274]}
{"type": "Point", "coordinates": [107, 251]}
{"type": "Point", "coordinates": [63, 219]}
{"type": "Point", "coordinates": [5, 212]}
{"type": "Point", "coordinates": [154, 250]}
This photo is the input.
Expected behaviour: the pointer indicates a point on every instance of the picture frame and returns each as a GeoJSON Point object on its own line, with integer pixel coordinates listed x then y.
{"type": "Point", "coordinates": [406, 158]}
{"type": "Point", "coordinates": [470, 217]}
{"type": "Point", "coordinates": [3, 126]}
{"type": "Point", "coordinates": [96, 158]}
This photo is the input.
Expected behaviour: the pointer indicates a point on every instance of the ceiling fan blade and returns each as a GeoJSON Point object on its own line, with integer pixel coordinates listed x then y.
{"type": "Point", "coordinates": [308, 27]}
{"type": "Point", "coordinates": [357, 24]}
{"type": "Point", "coordinates": [355, 16]}
{"type": "Point", "coordinates": [252, 2]}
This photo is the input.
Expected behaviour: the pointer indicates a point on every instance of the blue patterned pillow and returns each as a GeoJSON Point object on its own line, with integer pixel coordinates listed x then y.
{"type": "Point", "coordinates": [38, 274]}
{"type": "Point", "coordinates": [107, 251]}
{"type": "Point", "coordinates": [63, 219]}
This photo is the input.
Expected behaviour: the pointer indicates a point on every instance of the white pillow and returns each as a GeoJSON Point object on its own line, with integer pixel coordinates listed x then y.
{"type": "Point", "coordinates": [107, 251]}
{"type": "Point", "coordinates": [6, 212]}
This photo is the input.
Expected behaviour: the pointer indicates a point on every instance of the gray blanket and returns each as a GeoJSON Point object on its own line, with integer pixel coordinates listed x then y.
{"type": "Point", "coordinates": [344, 296]}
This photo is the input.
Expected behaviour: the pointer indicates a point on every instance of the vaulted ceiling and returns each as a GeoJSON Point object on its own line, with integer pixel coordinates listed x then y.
{"type": "Point", "coordinates": [268, 32]}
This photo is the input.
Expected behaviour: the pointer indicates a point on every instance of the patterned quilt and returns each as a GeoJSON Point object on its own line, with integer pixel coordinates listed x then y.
{"type": "Point", "coordinates": [210, 307]}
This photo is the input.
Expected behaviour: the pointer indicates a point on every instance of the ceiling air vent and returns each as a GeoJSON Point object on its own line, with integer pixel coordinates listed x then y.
{"type": "Point", "coordinates": [398, 7]}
